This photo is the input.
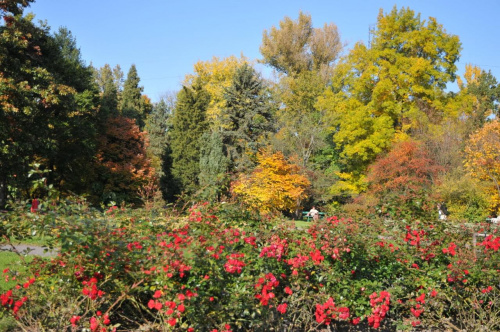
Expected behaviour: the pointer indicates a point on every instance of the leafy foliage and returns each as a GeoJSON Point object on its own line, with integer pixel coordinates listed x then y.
{"type": "Point", "coordinates": [215, 76]}
{"type": "Point", "coordinates": [123, 165]}
{"type": "Point", "coordinates": [274, 185]}
{"type": "Point", "coordinates": [296, 46]}
{"type": "Point", "coordinates": [483, 160]}
{"type": "Point", "coordinates": [133, 104]}
{"type": "Point", "coordinates": [385, 91]}
{"type": "Point", "coordinates": [402, 180]}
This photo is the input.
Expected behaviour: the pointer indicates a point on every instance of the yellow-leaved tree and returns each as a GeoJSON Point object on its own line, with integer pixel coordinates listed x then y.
{"type": "Point", "coordinates": [216, 77]}
{"type": "Point", "coordinates": [483, 160]}
{"type": "Point", "coordinates": [274, 185]}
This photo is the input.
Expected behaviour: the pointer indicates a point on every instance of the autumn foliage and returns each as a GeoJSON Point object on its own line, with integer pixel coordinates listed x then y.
{"type": "Point", "coordinates": [122, 160]}
{"type": "Point", "coordinates": [274, 185]}
{"type": "Point", "coordinates": [403, 176]}
{"type": "Point", "coordinates": [483, 159]}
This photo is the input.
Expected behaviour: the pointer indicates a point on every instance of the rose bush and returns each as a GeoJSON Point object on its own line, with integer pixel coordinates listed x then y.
{"type": "Point", "coordinates": [208, 270]}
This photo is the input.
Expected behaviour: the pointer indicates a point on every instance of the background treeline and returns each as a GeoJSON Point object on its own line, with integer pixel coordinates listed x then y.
{"type": "Point", "coordinates": [369, 129]}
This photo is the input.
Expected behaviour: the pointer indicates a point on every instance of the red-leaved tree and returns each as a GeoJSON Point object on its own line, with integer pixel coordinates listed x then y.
{"type": "Point", "coordinates": [122, 163]}
{"type": "Point", "coordinates": [401, 181]}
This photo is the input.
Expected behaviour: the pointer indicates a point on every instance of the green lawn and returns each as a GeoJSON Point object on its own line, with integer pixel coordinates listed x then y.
{"type": "Point", "coordinates": [13, 262]}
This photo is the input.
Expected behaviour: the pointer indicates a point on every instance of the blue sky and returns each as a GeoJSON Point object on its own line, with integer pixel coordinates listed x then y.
{"type": "Point", "coordinates": [166, 38]}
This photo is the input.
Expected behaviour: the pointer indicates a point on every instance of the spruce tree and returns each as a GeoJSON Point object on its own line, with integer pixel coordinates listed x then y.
{"type": "Point", "coordinates": [157, 124]}
{"type": "Point", "coordinates": [132, 104]}
{"type": "Point", "coordinates": [248, 117]}
{"type": "Point", "coordinates": [213, 166]}
{"type": "Point", "coordinates": [188, 125]}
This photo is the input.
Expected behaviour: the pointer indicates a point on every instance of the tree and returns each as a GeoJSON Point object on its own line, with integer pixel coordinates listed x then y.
{"type": "Point", "coordinates": [188, 125]}
{"type": "Point", "coordinates": [133, 105]}
{"type": "Point", "coordinates": [478, 98]}
{"type": "Point", "coordinates": [46, 94]}
{"type": "Point", "coordinates": [108, 89]}
{"type": "Point", "coordinates": [122, 162]}
{"type": "Point", "coordinates": [157, 126]}
{"type": "Point", "coordinates": [296, 46]}
{"type": "Point", "coordinates": [306, 56]}
{"type": "Point", "coordinates": [383, 92]}
{"type": "Point", "coordinates": [247, 117]}
{"type": "Point", "coordinates": [483, 160]}
{"type": "Point", "coordinates": [215, 76]}
{"type": "Point", "coordinates": [214, 166]}
{"type": "Point", "coordinates": [401, 180]}
{"type": "Point", "coordinates": [275, 185]}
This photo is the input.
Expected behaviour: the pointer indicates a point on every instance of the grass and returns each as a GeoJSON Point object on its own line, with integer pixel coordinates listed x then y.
{"type": "Point", "coordinates": [302, 224]}
{"type": "Point", "coordinates": [13, 262]}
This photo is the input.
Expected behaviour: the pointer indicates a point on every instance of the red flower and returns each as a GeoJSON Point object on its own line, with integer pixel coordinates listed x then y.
{"type": "Point", "coordinates": [74, 320]}
{"type": "Point", "coordinates": [282, 308]}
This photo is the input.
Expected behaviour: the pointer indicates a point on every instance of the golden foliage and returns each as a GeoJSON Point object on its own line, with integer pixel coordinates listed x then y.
{"type": "Point", "coordinates": [215, 76]}
{"type": "Point", "coordinates": [274, 185]}
{"type": "Point", "coordinates": [483, 159]}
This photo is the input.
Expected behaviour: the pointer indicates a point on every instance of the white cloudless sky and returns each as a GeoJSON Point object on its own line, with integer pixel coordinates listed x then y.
{"type": "Point", "coordinates": [165, 38]}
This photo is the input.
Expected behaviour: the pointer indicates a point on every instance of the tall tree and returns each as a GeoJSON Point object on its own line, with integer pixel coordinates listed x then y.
{"type": "Point", "coordinates": [382, 92]}
{"type": "Point", "coordinates": [247, 117]}
{"type": "Point", "coordinates": [46, 93]}
{"type": "Point", "coordinates": [74, 122]}
{"type": "Point", "coordinates": [133, 105]}
{"type": "Point", "coordinates": [188, 125]}
{"type": "Point", "coordinates": [296, 46]}
{"type": "Point", "coordinates": [478, 98]}
{"type": "Point", "coordinates": [215, 76]}
{"type": "Point", "coordinates": [157, 125]}
{"type": "Point", "coordinates": [109, 92]}
{"type": "Point", "coordinates": [214, 167]}
{"type": "Point", "coordinates": [122, 162]}
{"type": "Point", "coordinates": [483, 160]}
{"type": "Point", "coordinates": [306, 56]}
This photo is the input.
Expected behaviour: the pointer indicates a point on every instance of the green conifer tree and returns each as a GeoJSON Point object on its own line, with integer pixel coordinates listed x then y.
{"type": "Point", "coordinates": [132, 104]}
{"type": "Point", "coordinates": [248, 117]}
{"type": "Point", "coordinates": [188, 125]}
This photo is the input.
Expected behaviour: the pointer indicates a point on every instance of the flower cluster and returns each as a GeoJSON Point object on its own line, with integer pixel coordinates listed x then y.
{"type": "Point", "coordinates": [90, 289]}
{"type": "Point", "coordinates": [266, 286]}
{"type": "Point", "coordinates": [451, 249]}
{"type": "Point", "coordinates": [380, 307]}
{"type": "Point", "coordinates": [491, 243]}
{"type": "Point", "coordinates": [328, 311]}
{"type": "Point", "coordinates": [233, 265]}
{"type": "Point", "coordinates": [414, 237]}
{"type": "Point", "coordinates": [276, 249]}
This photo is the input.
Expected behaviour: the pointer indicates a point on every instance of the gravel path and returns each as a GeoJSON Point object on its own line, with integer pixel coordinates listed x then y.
{"type": "Point", "coordinates": [30, 249]}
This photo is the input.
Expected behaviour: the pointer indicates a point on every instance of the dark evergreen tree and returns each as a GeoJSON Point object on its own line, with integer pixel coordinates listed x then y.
{"type": "Point", "coordinates": [188, 125]}
{"type": "Point", "coordinates": [247, 117]}
{"type": "Point", "coordinates": [109, 93]}
{"type": "Point", "coordinates": [213, 177]}
{"type": "Point", "coordinates": [47, 96]}
{"type": "Point", "coordinates": [132, 104]}
{"type": "Point", "coordinates": [157, 124]}
{"type": "Point", "coordinates": [74, 121]}
{"type": "Point", "coordinates": [170, 186]}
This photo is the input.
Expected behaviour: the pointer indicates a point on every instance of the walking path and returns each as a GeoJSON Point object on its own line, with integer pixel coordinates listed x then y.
{"type": "Point", "coordinates": [30, 249]}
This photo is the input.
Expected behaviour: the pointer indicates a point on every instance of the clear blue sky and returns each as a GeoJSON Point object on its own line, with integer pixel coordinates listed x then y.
{"type": "Point", "coordinates": [164, 38]}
